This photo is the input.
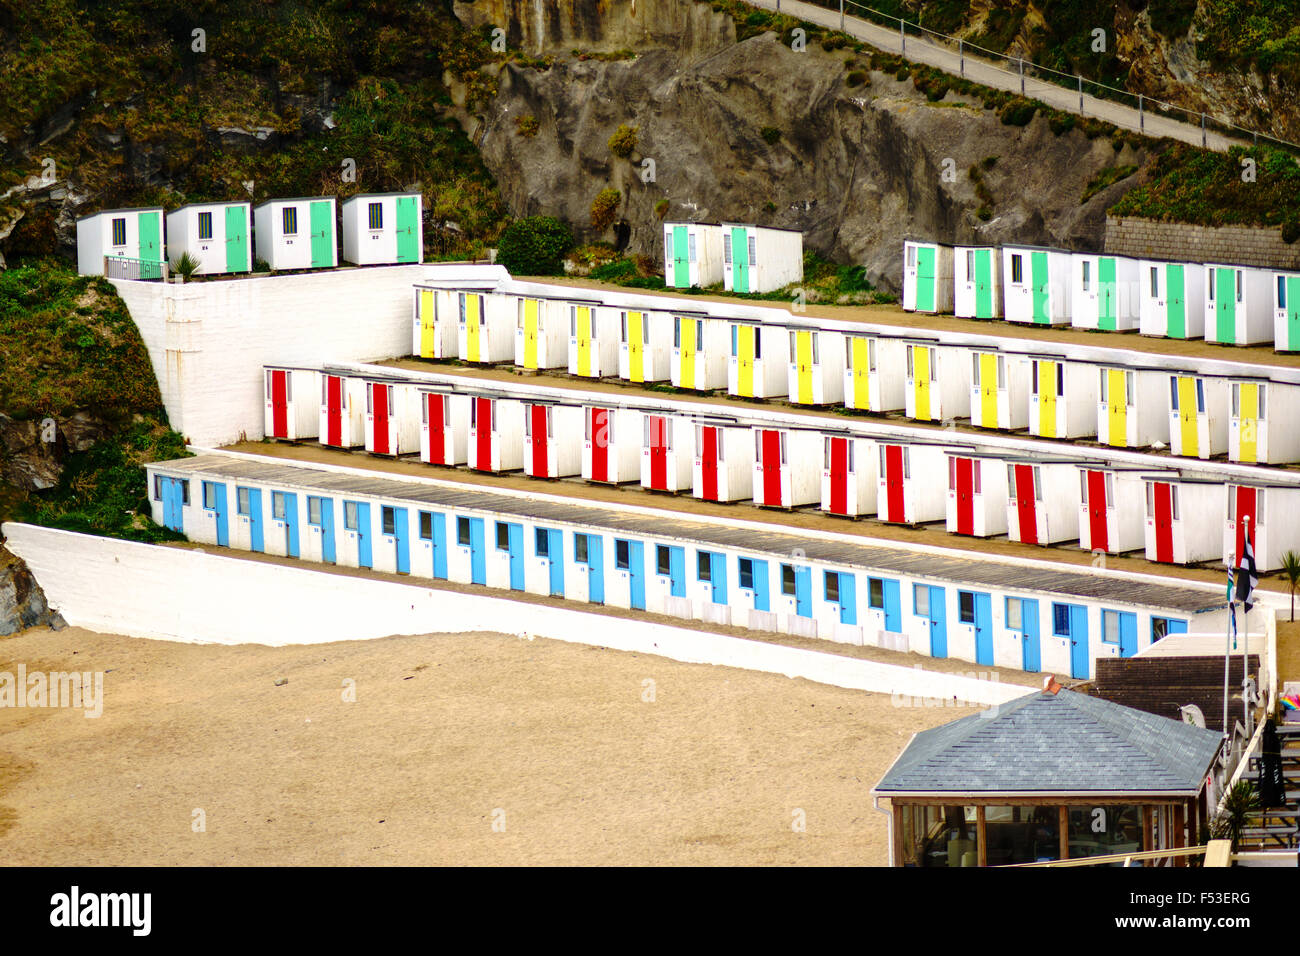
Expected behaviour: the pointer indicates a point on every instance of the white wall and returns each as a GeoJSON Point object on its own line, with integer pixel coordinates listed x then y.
{"type": "Point", "coordinates": [208, 341]}
{"type": "Point", "coordinates": [98, 583]}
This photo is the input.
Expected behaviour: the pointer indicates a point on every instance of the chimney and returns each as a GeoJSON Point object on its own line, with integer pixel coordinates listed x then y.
{"type": "Point", "coordinates": [1050, 686]}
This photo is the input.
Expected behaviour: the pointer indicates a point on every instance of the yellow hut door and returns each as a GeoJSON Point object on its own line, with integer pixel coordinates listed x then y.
{"type": "Point", "coordinates": [860, 362]}
{"type": "Point", "coordinates": [921, 380]}
{"type": "Point", "coordinates": [1187, 417]}
{"type": "Point", "coordinates": [469, 305]}
{"type": "Point", "coordinates": [745, 335]}
{"type": "Point", "coordinates": [1117, 401]}
{"type": "Point", "coordinates": [635, 349]}
{"type": "Point", "coordinates": [582, 333]}
{"type": "Point", "coordinates": [686, 345]}
{"type": "Point", "coordinates": [428, 325]}
{"type": "Point", "coordinates": [1248, 421]}
{"type": "Point", "coordinates": [1046, 385]}
{"type": "Point", "coordinates": [988, 379]}
{"type": "Point", "coordinates": [530, 333]}
{"type": "Point", "coordinates": [803, 358]}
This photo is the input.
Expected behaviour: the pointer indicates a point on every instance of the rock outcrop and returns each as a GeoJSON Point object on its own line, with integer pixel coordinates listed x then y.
{"type": "Point", "coordinates": [756, 132]}
{"type": "Point", "coordinates": [22, 602]}
{"type": "Point", "coordinates": [33, 452]}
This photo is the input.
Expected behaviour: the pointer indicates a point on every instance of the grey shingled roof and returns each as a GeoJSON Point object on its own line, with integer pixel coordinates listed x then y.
{"type": "Point", "coordinates": [1067, 742]}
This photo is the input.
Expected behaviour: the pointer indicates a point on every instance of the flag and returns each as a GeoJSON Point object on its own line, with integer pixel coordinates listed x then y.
{"type": "Point", "coordinates": [1232, 613]}
{"type": "Point", "coordinates": [1247, 579]}
{"type": "Point", "coordinates": [1232, 585]}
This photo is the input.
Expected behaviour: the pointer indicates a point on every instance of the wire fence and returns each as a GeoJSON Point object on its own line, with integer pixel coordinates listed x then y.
{"type": "Point", "coordinates": [993, 68]}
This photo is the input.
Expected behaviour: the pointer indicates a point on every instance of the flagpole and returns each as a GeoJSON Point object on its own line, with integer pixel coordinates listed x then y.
{"type": "Point", "coordinates": [1248, 548]}
{"type": "Point", "coordinates": [1227, 659]}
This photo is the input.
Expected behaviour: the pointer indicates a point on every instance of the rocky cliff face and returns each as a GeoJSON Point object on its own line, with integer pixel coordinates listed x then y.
{"type": "Point", "coordinates": [756, 132]}
{"type": "Point", "coordinates": [22, 602]}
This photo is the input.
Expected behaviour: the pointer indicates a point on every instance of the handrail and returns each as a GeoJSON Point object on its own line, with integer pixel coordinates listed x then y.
{"type": "Point", "coordinates": [1124, 858]}
{"type": "Point", "coordinates": [1057, 79]}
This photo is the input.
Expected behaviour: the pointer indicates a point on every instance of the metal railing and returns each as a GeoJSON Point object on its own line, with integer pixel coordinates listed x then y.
{"type": "Point", "coordinates": [121, 267]}
{"type": "Point", "coordinates": [1178, 122]}
{"type": "Point", "coordinates": [1125, 859]}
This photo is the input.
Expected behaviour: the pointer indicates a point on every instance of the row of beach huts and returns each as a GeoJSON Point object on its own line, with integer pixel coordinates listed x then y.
{"type": "Point", "coordinates": [226, 237]}
{"type": "Point", "coordinates": [781, 459]}
{"type": "Point", "coordinates": [1221, 303]}
{"type": "Point", "coordinates": [1198, 408]}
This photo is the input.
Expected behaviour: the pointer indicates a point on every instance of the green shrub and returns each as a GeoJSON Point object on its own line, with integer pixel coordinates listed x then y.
{"type": "Point", "coordinates": [1107, 177]}
{"type": "Point", "coordinates": [661, 208]}
{"type": "Point", "coordinates": [856, 78]}
{"type": "Point", "coordinates": [526, 125]}
{"type": "Point", "coordinates": [769, 207]}
{"type": "Point", "coordinates": [771, 135]}
{"type": "Point", "coordinates": [1291, 231]}
{"type": "Point", "coordinates": [623, 142]}
{"type": "Point", "coordinates": [604, 208]}
{"type": "Point", "coordinates": [534, 246]}
{"type": "Point", "coordinates": [1018, 112]}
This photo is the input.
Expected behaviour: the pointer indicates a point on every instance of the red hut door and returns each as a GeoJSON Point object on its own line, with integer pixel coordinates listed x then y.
{"type": "Point", "coordinates": [770, 453]}
{"type": "Point", "coordinates": [709, 438]}
{"type": "Point", "coordinates": [279, 403]}
{"type": "Point", "coordinates": [539, 419]}
{"type": "Point", "coordinates": [333, 410]}
{"type": "Point", "coordinates": [1244, 515]}
{"type": "Point", "coordinates": [483, 434]}
{"type": "Point", "coordinates": [1097, 506]}
{"type": "Point", "coordinates": [1025, 504]}
{"type": "Point", "coordinates": [894, 487]}
{"type": "Point", "coordinates": [1163, 515]}
{"type": "Point", "coordinates": [965, 491]}
{"type": "Point", "coordinates": [435, 413]}
{"type": "Point", "coordinates": [598, 429]}
{"type": "Point", "coordinates": [658, 443]}
{"type": "Point", "coordinates": [380, 401]}
{"type": "Point", "coordinates": [839, 469]}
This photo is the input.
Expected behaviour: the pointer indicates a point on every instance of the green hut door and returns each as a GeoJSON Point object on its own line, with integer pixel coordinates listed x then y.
{"type": "Point", "coordinates": [681, 259]}
{"type": "Point", "coordinates": [322, 235]}
{"type": "Point", "coordinates": [1175, 303]}
{"type": "Point", "coordinates": [150, 243]}
{"type": "Point", "coordinates": [1293, 312]}
{"type": "Point", "coordinates": [1225, 305]}
{"type": "Point", "coordinates": [924, 279]}
{"type": "Point", "coordinates": [1040, 280]}
{"type": "Point", "coordinates": [1106, 293]}
{"type": "Point", "coordinates": [236, 240]}
{"type": "Point", "coordinates": [983, 284]}
{"type": "Point", "coordinates": [408, 226]}
{"type": "Point", "coordinates": [739, 260]}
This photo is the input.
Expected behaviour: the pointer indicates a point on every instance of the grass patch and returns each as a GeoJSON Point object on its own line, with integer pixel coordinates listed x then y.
{"type": "Point", "coordinates": [1107, 177]}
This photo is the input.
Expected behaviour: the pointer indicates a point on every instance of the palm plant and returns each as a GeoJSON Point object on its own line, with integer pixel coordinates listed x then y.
{"type": "Point", "coordinates": [1237, 807]}
{"type": "Point", "coordinates": [186, 266]}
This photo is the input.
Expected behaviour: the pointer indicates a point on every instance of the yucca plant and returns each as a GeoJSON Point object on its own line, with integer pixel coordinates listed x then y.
{"type": "Point", "coordinates": [1291, 568]}
{"type": "Point", "coordinates": [1237, 807]}
{"type": "Point", "coordinates": [186, 266]}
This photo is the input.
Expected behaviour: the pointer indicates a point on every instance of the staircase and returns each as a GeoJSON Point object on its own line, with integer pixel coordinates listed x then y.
{"type": "Point", "coordinates": [1277, 828]}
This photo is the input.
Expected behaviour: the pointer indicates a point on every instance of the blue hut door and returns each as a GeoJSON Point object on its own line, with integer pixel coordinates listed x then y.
{"type": "Point", "coordinates": [1071, 622]}
{"type": "Point", "coordinates": [635, 568]}
{"type": "Point", "coordinates": [717, 564]}
{"type": "Point", "coordinates": [396, 525]}
{"type": "Point", "coordinates": [595, 569]}
{"type": "Point", "coordinates": [214, 495]}
{"type": "Point", "coordinates": [762, 599]}
{"type": "Point", "coordinates": [803, 592]}
{"type": "Point", "coordinates": [365, 556]}
{"type": "Point", "coordinates": [433, 528]}
{"type": "Point", "coordinates": [249, 507]}
{"type": "Point", "coordinates": [976, 610]}
{"type": "Point", "coordinates": [1031, 656]}
{"type": "Point", "coordinates": [929, 603]}
{"type": "Point", "coordinates": [320, 514]}
{"type": "Point", "coordinates": [286, 510]}
{"type": "Point", "coordinates": [848, 598]}
{"type": "Point", "coordinates": [172, 491]}
{"type": "Point", "coordinates": [671, 562]}
{"type": "Point", "coordinates": [1128, 634]}
{"type": "Point", "coordinates": [477, 559]}
{"type": "Point", "coordinates": [549, 544]}
{"type": "Point", "coordinates": [510, 539]}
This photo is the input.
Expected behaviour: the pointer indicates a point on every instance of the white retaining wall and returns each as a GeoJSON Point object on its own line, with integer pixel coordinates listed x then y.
{"type": "Point", "coordinates": [208, 341]}
{"type": "Point", "coordinates": [142, 590]}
